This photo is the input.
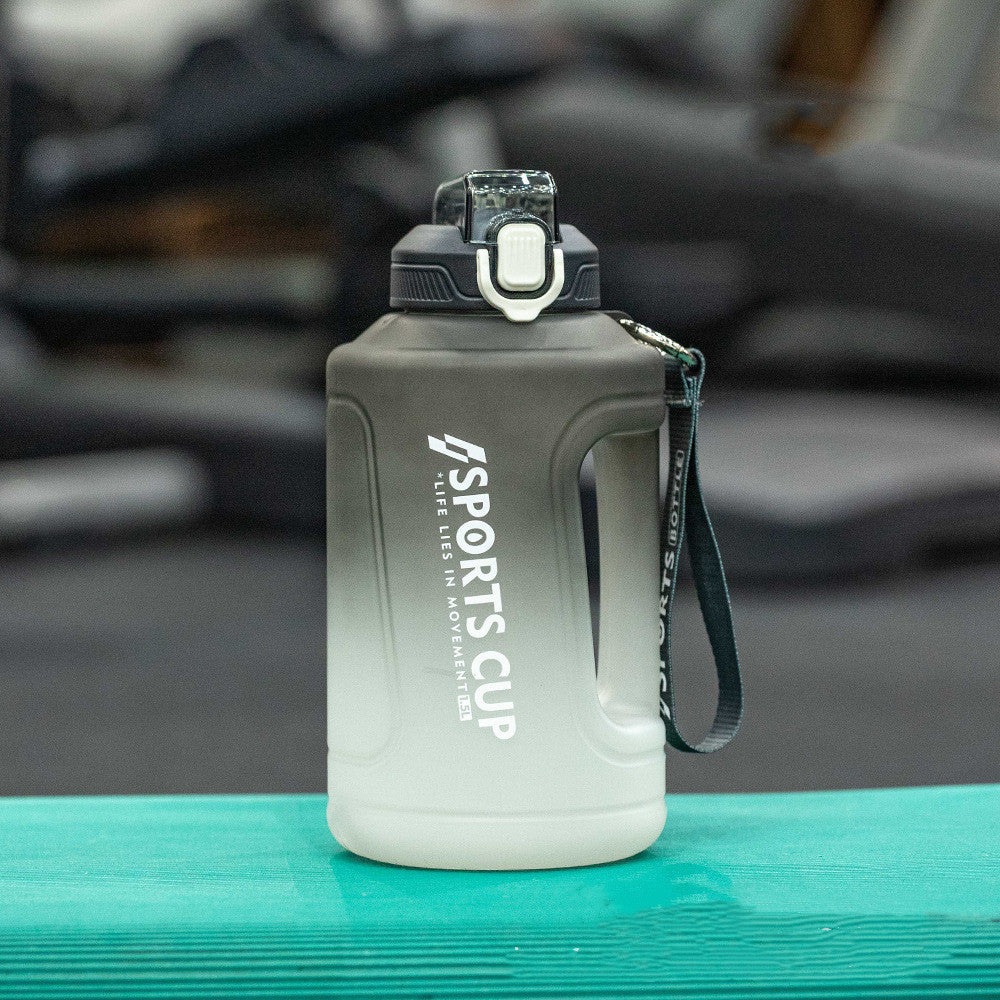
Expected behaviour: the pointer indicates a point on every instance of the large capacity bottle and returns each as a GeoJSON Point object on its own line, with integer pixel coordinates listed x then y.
{"type": "Point", "coordinates": [469, 726]}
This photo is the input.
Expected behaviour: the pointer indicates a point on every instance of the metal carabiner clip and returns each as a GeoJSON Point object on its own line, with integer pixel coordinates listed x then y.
{"type": "Point", "coordinates": [662, 343]}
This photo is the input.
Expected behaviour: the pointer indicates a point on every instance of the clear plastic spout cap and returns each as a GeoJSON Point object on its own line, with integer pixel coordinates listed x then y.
{"type": "Point", "coordinates": [483, 201]}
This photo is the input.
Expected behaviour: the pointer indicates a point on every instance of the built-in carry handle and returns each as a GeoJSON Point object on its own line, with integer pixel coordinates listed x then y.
{"type": "Point", "coordinates": [626, 467]}
{"type": "Point", "coordinates": [684, 510]}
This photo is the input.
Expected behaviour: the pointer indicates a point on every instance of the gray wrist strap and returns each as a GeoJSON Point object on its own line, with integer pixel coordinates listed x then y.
{"type": "Point", "coordinates": [684, 510]}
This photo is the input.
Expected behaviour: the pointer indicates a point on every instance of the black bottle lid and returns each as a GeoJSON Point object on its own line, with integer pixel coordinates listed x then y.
{"type": "Point", "coordinates": [495, 243]}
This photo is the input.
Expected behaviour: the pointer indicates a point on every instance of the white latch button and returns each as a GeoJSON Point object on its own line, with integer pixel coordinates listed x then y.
{"type": "Point", "coordinates": [521, 256]}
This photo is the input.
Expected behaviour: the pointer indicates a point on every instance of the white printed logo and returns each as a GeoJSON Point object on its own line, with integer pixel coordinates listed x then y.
{"type": "Point", "coordinates": [475, 538]}
{"type": "Point", "coordinates": [468, 450]}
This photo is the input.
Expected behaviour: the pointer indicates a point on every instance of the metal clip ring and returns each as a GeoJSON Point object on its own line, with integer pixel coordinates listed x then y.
{"type": "Point", "coordinates": [656, 339]}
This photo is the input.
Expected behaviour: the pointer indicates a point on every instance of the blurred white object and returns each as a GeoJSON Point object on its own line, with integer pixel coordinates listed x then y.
{"type": "Point", "coordinates": [457, 137]}
{"type": "Point", "coordinates": [930, 59]}
{"type": "Point", "coordinates": [70, 40]}
{"type": "Point", "coordinates": [729, 39]}
{"type": "Point", "coordinates": [101, 494]}
{"type": "Point", "coordinates": [131, 38]}
{"type": "Point", "coordinates": [429, 15]}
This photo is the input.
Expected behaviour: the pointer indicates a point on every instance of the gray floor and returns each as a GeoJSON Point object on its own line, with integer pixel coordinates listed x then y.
{"type": "Point", "coordinates": [196, 664]}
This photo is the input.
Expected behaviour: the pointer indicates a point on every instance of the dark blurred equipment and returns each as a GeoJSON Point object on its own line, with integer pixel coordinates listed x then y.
{"type": "Point", "coordinates": [95, 494]}
{"type": "Point", "coordinates": [276, 85]}
{"type": "Point", "coordinates": [238, 109]}
{"type": "Point", "coordinates": [262, 449]}
{"type": "Point", "coordinates": [126, 302]}
{"type": "Point", "coordinates": [744, 218]}
{"type": "Point", "coordinates": [831, 486]}
{"type": "Point", "coordinates": [782, 264]}
{"type": "Point", "coordinates": [277, 98]}
{"type": "Point", "coordinates": [825, 485]}
{"type": "Point", "coordinates": [862, 228]}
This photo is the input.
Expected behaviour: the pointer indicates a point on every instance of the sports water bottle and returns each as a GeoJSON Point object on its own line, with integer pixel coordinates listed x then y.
{"type": "Point", "coordinates": [469, 725]}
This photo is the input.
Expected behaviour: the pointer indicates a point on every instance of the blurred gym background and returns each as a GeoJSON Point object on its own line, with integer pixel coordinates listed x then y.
{"type": "Point", "coordinates": [199, 197]}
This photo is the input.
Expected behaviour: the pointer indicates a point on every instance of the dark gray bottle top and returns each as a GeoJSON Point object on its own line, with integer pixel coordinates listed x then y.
{"type": "Point", "coordinates": [437, 266]}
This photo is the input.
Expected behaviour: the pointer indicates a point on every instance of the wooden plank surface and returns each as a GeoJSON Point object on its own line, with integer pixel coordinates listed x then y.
{"type": "Point", "coordinates": [889, 893]}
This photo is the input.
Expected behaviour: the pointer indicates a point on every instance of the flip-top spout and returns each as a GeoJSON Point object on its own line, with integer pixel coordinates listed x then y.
{"type": "Point", "coordinates": [482, 201]}
{"type": "Point", "coordinates": [495, 241]}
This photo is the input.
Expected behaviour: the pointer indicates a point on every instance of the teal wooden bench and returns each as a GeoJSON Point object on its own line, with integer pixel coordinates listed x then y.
{"type": "Point", "coordinates": [830, 894]}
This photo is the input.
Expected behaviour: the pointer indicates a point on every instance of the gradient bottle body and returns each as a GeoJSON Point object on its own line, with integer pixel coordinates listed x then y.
{"type": "Point", "coordinates": [468, 726]}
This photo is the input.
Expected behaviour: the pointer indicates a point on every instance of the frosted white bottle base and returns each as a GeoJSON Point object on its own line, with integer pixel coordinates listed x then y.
{"type": "Point", "coordinates": [491, 843]}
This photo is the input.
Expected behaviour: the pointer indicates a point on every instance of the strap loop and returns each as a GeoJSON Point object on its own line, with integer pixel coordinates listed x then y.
{"type": "Point", "coordinates": [684, 509]}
